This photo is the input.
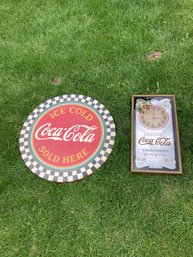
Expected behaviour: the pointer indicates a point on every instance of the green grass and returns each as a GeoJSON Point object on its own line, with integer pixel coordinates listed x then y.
{"type": "Point", "coordinates": [99, 48]}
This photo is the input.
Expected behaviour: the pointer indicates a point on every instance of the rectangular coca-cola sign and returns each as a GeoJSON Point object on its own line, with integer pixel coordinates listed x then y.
{"type": "Point", "coordinates": [155, 146]}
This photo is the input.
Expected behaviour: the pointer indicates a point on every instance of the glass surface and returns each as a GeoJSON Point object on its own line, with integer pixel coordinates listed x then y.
{"type": "Point", "coordinates": [155, 141]}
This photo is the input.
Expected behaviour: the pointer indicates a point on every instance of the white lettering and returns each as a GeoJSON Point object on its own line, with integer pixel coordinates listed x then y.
{"type": "Point", "coordinates": [76, 133]}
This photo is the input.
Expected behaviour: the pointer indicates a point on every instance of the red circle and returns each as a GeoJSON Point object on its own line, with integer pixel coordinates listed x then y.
{"type": "Point", "coordinates": [67, 135]}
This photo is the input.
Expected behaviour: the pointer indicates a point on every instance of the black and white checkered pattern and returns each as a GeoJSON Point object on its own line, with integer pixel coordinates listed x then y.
{"type": "Point", "coordinates": [75, 174]}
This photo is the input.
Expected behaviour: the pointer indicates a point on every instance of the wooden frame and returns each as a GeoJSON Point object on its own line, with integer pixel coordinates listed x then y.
{"type": "Point", "coordinates": [149, 155]}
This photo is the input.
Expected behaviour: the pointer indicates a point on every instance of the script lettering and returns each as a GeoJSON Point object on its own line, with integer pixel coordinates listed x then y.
{"type": "Point", "coordinates": [76, 133]}
{"type": "Point", "coordinates": [162, 141]}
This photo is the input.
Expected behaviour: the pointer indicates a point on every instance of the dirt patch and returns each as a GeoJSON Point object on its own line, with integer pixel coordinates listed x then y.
{"type": "Point", "coordinates": [56, 81]}
{"type": "Point", "coordinates": [154, 56]}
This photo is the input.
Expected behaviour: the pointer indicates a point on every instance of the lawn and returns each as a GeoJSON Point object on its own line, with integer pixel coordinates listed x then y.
{"type": "Point", "coordinates": [98, 48]}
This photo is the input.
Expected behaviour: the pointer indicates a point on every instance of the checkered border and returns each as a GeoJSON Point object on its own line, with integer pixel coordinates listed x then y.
{"type": "Point", "coordinates": [74, 174]}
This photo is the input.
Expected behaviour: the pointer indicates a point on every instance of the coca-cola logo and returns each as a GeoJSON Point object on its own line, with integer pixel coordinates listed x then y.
{"type": "Point", "coordinates": [67, 135]}
{"type": "Point", "coordinates": [160, 141]}
{"type": "Point", "coordinates": [48, 132]}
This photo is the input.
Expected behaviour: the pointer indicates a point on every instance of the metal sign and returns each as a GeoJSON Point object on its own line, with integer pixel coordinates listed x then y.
{"type": "Point", "coordinates": [67, 138]}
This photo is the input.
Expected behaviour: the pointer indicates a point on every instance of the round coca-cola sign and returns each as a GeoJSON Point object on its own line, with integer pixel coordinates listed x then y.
{"type": "Point", "coordinates": [67, 138]}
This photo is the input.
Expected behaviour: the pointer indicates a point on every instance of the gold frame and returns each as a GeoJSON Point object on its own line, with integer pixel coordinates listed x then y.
{"type": "Point", "coordinates": [178, 172]}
